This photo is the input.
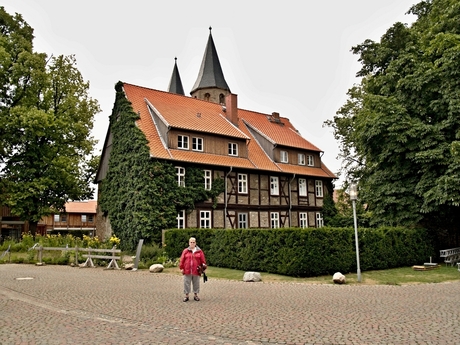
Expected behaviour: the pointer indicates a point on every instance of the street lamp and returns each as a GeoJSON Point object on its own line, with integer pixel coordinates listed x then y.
{"type": "Point", "coordinates": [353, 198]}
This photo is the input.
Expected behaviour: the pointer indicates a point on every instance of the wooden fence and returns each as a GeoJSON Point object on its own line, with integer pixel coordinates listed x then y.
{"type": "Point", "coordinates": [91, 253]}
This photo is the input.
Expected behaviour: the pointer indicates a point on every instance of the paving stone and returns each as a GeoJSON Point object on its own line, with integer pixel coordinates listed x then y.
{"type": "Point", "coordinates": [71, 305]}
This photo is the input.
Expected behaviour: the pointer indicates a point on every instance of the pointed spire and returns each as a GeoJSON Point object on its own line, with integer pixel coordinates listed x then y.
{"type": "Point", "coordinates": [175, 85]}
{"type": "Point", "coordinates": [210, 75]}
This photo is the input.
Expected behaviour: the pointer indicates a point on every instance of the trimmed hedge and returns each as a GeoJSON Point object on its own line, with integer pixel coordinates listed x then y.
{"type": "Point", "coordinates": [306, 252]}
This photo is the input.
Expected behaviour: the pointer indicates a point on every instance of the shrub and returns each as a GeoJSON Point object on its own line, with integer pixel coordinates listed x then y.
{"type": "Point", "coordinates": [305, 252]}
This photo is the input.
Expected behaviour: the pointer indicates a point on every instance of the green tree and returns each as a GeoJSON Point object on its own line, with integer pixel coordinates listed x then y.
{"type": "Point", "coordinates": [399, 129]}
{"type": "Point", "coordinates": [46, 117]}
{"type": "Point", "coordinates": [21, 73]}
{"type": "Point", "coordinates": [340, 213]}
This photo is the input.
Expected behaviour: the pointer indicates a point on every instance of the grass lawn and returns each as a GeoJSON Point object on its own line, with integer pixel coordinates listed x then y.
{"type": "Point", "coordinates": [395, 276]}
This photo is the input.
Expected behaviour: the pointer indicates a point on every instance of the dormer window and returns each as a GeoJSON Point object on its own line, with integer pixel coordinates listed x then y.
{"type": "Point", "coordinates": [233, 149]}
{"type": "Point", "coordinates": [284, 157]}
{"type": "Point", "coordinates": [301, 159]}
{"type": "Point", "coordinates": [311, 161]}
{"type": "Point", "coordinates": [197, 144]}
{"type": "Point", "coordinates": [182, 142]}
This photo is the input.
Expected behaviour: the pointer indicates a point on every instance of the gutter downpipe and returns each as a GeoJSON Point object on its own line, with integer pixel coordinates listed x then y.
{"type": "Point", "coordinates": [225, 196]}
{"type": "Point", "coordinates": [290, 200]}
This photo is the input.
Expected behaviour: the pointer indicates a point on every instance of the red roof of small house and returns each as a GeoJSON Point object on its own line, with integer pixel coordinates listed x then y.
{"type": "Point", "coordinates": [81, 206]}
{"type": "Point", "coordinates": [191, 114]}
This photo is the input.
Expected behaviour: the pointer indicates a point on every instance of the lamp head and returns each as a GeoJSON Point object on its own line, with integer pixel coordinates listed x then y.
{"type": "Point", "coordinates": [353, 191]}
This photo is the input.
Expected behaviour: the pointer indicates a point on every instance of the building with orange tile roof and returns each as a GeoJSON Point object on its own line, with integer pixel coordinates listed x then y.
{"type": "Point", "coordinates": [77, 216]}
{"type": "Point", "coordinates": [273, 176]}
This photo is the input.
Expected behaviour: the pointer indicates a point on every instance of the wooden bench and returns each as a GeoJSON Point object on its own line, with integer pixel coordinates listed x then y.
{"type": "Point", "coordinates": [113, 258]}
{"type": "Point", "coordinates": [451, 256]}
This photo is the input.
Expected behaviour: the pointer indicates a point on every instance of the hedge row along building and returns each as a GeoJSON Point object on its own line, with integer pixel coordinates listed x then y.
{"type": "Point", "coordinates": [273, 177]}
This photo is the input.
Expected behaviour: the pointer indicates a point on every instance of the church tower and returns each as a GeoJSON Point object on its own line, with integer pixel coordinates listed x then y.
{"type": "Point", "coordinates": [210, 84]}
{"type": "Point", "coordinates": [175, 85]}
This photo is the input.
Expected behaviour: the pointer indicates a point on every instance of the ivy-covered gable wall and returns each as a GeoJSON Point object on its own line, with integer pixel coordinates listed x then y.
{"type": "Point", "coordinates": [140, 195]}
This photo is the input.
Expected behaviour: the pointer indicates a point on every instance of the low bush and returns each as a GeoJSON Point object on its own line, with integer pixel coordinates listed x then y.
{"type": "Point", "coordinates": [306, 252]}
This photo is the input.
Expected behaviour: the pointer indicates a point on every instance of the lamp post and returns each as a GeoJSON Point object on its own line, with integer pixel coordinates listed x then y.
{"type": "Point", "coordinates": [353, 198]}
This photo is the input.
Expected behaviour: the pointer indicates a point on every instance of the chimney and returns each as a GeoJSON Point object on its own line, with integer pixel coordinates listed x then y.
{"type": "Point", "coordinates": [276, 117]}
{"type": "Point", "coordinates": [231, 105]}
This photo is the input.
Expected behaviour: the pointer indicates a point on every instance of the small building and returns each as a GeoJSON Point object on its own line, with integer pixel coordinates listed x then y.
{"type": "Point", "coordinates": [11, 226]}
{"type": "Point", "coordinates": [77, 216]}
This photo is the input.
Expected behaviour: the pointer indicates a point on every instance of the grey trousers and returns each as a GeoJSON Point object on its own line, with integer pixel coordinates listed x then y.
{"type": "Point", "coordinates": [191, 279]}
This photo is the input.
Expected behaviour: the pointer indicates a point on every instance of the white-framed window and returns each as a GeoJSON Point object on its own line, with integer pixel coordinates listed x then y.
{"type": "Point", "coordinates": [242, 220]}
{"type": "Point", "coordinates": [197, 144]}
{"type": "Point", "coordinates": [284, 157]}
{"type": "Point", "coordinates": [233, 149]}
{"type": "Point", "coordinates": [303, 219]}
{"type": "Point", "coordinates": [56, 218]}
{"type": "Point", "coordinates": [275, 220]}
{"type": "Point", "coordinates": [242, 183]}
{"type": "Point", "coordinates": [274, 185]}
{"type": "Point", "coordinates": [181, 219]}
{"type": "Point", "coordinates": [207, 179]}
{"type": "Point", "coordinates": [302, 186]}
{"type": "Point", "coordinates": [182, 142]}
{"type": "Point", "coordinates": [205, 219]}
{"type": "Point", "coordinates": [319, 188]}
{"type": "Point", "coordinates": [83, 218]}
{"type": "Point", "coordinates": [301, 158]}
{"type": "Point", "coordinates": [180, 173]}
{"type": "Point", "coordinates": [311, 160]}
{"type": "Point", "coordinates": [319, 220]}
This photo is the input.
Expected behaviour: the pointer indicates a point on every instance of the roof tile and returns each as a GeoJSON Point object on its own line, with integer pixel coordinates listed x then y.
{"type": "Point", "coordinates": [192, 114]}
{"type": "Point", "coordinates": [81, 206]}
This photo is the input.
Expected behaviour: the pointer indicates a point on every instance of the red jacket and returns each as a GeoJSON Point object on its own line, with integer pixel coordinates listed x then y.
{"type": "Point", "coordinates": [190, 261]}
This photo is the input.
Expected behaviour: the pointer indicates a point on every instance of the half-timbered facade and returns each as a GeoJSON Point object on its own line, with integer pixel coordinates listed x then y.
{"type": "Point", "coordinates": [273, 176]}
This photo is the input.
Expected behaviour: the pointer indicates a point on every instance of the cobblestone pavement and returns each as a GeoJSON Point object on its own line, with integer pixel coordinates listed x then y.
{"type": "Point", "coordinates": [66, 305]}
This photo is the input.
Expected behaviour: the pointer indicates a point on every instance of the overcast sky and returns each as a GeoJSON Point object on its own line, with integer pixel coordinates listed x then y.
{"type": "Point", "coordinates": [292, 57]}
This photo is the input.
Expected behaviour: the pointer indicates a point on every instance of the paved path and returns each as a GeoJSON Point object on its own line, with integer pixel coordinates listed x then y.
{"type": "Point", "coordinates": [65, 305]}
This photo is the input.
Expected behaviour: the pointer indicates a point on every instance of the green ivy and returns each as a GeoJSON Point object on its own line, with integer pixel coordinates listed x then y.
{"type": "Point", "coordinates": [140, 195]}
{"type": "Point", "coordinates": [194, 190]}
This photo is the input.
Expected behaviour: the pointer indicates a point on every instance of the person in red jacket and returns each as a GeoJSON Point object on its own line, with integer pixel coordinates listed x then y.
{"type": "Point", "coordinates": [192, 263]}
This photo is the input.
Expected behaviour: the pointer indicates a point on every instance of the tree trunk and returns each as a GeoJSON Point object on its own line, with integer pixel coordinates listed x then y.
{"type": "Point", "coordinates": [33, 228]}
